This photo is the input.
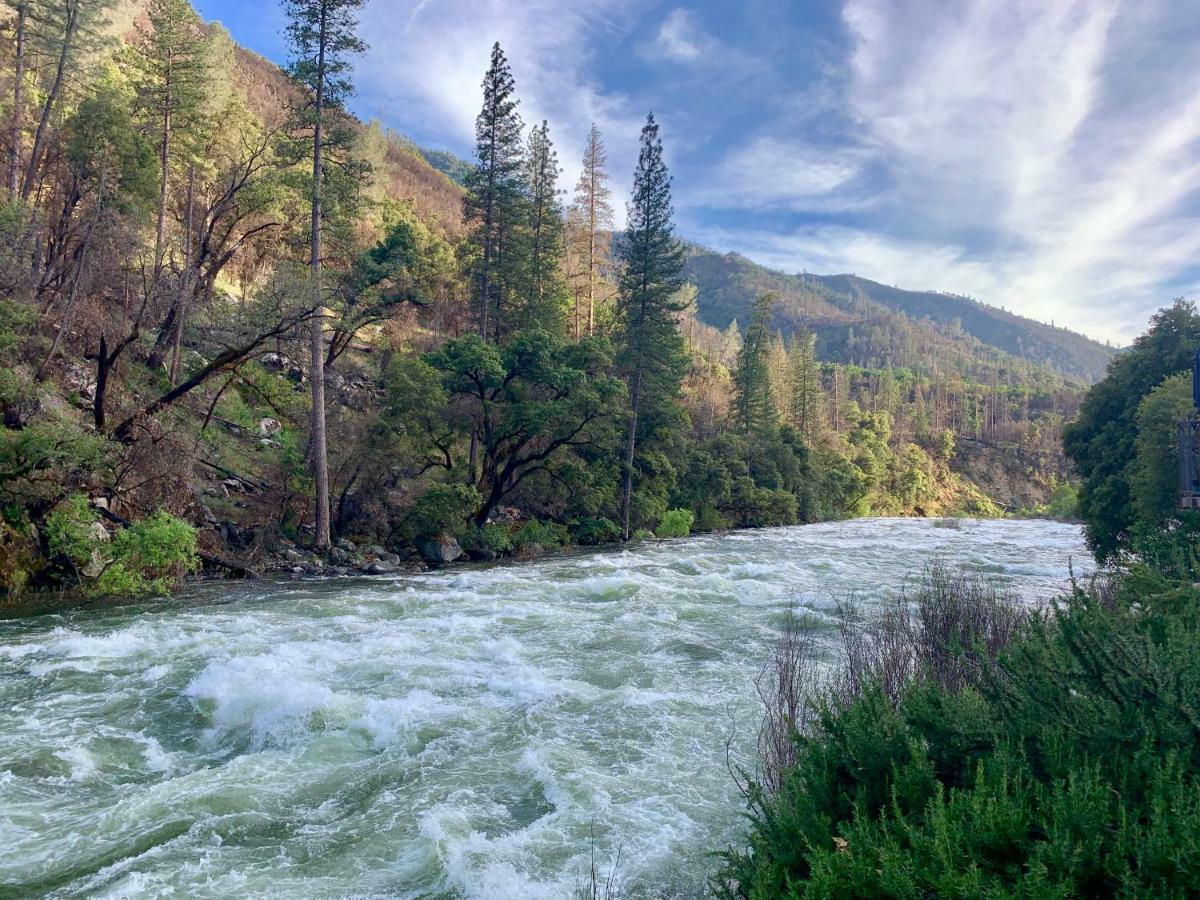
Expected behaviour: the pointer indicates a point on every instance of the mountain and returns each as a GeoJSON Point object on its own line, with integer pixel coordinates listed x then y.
{"type": "Point", "coordinates": [862, 322]}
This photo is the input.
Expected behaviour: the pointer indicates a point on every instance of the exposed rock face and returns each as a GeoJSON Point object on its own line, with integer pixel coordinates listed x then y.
{"type": "Point", "coordinates": [440, 549]}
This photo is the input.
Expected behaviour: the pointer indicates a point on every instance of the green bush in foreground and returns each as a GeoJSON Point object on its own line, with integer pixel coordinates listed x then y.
{"type": "Point", "coordinates": [1061, 761]}
{"type": "Point", "coordinates": [147, 557]}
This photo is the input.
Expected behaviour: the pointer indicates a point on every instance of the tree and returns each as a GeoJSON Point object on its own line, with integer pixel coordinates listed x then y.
{"type": "Point", "coordinates": [170, 77]}
{"type": "Point", "coordinates": [529, 401]}
{"type": "Point", "coordinates": [16, 122]}
{"type": "Point", "coordinates": [322, 40]}
{"type": "Point", "coordinates": [804, 382]}
{"type": "Point", "coordinates": [492, 205]}
{"type": "Point", "coordinates": [1102, 441]}
{"type": "Point", "coordinates": [652, 357]}
{"type": "Point", "coordinates": [593, 211]}
{"type": "Point", "coordinates": [754, 405]}
{"type": "Point", "coordinates": [543, 291]}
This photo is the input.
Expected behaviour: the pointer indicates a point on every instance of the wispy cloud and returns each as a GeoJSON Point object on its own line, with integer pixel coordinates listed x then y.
{"type": "Point", "coordinates": [681, 39]}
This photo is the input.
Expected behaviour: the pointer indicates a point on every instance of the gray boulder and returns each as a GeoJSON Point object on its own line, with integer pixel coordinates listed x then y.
{"type": "Point", "coordinates": [440, 549]}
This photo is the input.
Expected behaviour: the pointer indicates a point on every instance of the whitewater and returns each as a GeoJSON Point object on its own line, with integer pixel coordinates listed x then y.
{"type": "Point", "coordinates": [477, 732]}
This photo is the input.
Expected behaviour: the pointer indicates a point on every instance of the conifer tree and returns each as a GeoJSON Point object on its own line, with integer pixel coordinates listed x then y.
{"type": "Point", "coordinates": [493, 201]}
{"type": "Point", "coordinates": [170, 78]}
{"type": "Point", "coordinates": [593, 211]}
{"type": "Point", "coordinates": [805, 403]}
{"type": "Point", "coordinates": [321, 34]}
{"type": "Point", "coordinates": [753, 402]}
{"type": "Point", "coordinates": [652, 357]}
{"type": "Point", "coordinates": [543, 287]}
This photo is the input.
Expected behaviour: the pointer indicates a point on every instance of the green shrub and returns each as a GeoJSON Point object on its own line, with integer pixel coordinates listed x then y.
{"type": "Point", "coordinates": [710, 519]}
{"type": "Point", "coordinates": [541, 534]}
{"type": "Point", "coordinates": [642, 534]}
{"type": "Point", "coordinates": [1065, 763]}
{"type": "Point", "coordinates": [444, 507]}
{"type": "Point", "coordinates": [492, 539]}
{"type": "Point", "coordinates": [598, 530]}
{"type": "Point", "coordinates": [676, 523]}
{"type": "Point", "coordinates": [147, 557]}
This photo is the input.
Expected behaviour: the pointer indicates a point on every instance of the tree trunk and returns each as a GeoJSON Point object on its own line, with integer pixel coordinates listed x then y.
{"type": "Point", "coordinates": [320, 455]}
{"type": "Point", "coordinates": [70, 29]}
{"type": "Point", "coordinates": [630, 446]}
{"type": "Point", "coordinates": [188, 278]}
{"type": "Point", "coordinates": [14, 148]}
{"type": "Point", "coordinates": [164, 162]}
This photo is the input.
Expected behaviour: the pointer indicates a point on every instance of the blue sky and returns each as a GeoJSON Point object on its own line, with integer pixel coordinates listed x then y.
{"type": "Point", "coordinates": [1042, 155]}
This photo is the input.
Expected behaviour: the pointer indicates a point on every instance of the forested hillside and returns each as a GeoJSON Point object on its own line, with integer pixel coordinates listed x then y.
{"type": "Point", "coordinates": [866, 323]}
{"type": "Point", "coordinates": [244, 328]}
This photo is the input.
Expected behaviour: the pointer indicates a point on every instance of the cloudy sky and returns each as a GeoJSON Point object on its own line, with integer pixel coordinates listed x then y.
{"type": "Point", "coordinates": [1043, 155]}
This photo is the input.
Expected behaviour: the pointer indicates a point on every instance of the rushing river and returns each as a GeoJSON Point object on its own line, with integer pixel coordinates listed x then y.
{"type": "Point", "coordinates": [469, 733]}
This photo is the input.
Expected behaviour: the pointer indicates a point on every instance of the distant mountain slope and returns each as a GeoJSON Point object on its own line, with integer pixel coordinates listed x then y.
{"type": "Point", "coordinates": [1069, 352]}
{"type": "Point", "coordinates": [866, 323]}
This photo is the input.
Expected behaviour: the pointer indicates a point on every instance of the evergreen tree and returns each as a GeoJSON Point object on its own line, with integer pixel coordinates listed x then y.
{"type": "Point", "coordinates": [754, 404]}
{"type": "Point", "coordinates": [593, 211]}
{"type": "Point", "coordinates": [543, 287]}
{"type": "Point", "coordinates": [170, 79]}
{"type": "Point", "coordinates": [652, 357]}
{"type": "Point", "coordinates": [805, 404]}
{"type": "Point", "coordinates": [322, 41]}
{"type": "Point", "coordinates": [493, 202]}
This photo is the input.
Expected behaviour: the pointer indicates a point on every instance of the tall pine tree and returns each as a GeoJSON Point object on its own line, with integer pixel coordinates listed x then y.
{"type": "Point", "coordinates": [543, 286]}
{"type": "Point", "coordinates": [493, 204]}
{"type": "Point", "coordinates": [753, 401]}
{"type": "Point", "coordinates": [805, 405]}
{"type": "Point", "coordinates": [652, 357]}
{"type": "Point", "coordinates": [593, 212]}
{"type": "Point", "coordinates": [322, 39]}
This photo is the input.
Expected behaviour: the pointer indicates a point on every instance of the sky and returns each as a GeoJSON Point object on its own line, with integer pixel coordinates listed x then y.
{"type": "Point", "coordinates": [1041, 155]}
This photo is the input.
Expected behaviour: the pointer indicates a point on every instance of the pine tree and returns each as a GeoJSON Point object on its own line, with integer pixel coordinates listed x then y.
{"type": "Point", "coordinates": [493, 202]}
{"type": "Point", "coordinates": [652, 357]}
{"type": "Point", "coordinates": [805, 403]}
{"type": "Point", "coordinates": [543, 286]}
{"type": "Point", "coordinates": [593, 211]}
{"type": "Point", "coordinates": [322, 40]}
{"type": "Point", "coordinates": [754, 404]}
{"type": "Point", "coordinates": [170, 79]}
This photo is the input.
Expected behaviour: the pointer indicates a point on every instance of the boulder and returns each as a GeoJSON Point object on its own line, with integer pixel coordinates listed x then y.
{"type": "Point", "coordinates": [338, 556]}
{"type": "Point", "coordinates": [380, 567]}
{"type": "Point", "coordinates": [269, 426]}
{"type": "Point", "coordinates": [440, 549]}
{"type": "Point", "coordinates": [347, 545]}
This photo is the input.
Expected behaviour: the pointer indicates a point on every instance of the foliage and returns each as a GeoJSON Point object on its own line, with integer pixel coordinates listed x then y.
{"type": "Point", "coordinates": [1103, 441]}
{"type": "Point", "coordinates": [1060, 762]}
{"type": "Point", "coordinates": [675, 523]}
{"type": "Point", "coordinates": [597, 530]}
{"type": "Point", "coordinates": [442, 508]}
{"type": "Point", "coordinates": [147, 557]}
{"type": "Point", "coordinates": [534, 534]}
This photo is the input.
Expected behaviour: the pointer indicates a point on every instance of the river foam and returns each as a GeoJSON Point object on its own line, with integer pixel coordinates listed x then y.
{"type": "Point", "coordinates": [473, 733]}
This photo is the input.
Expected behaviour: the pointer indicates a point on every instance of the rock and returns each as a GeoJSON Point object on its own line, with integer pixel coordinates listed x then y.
{"type": "Point", "coordinates": [507, 515]}
{"type": "Point", "coordinates": [97, 562]}
{"type": "Point", "coordinates": [99, 502]}
{"type": "Point", "coordinates": [338, 556]}
{"type": "Point", "coordinates": [441, 549]}
{"type": "Point", "coordinates": [380, 567]}
{"type": "Point", "coordinates": [81, 381]}
{"type": "Point", "coordinates": [292, 555]}
{"type": "Point", "coordinates": [268, 427]}
{"type": "Point", "coordinates": [347, 545]}
{"type": "Point", "coordinates": [376, 551]}
{"type": "Point", "coordinates": [297, 570]}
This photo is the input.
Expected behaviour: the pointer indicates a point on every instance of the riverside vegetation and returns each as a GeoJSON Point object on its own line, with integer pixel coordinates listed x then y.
{"type": "Point", "coordinates": [970, 746]}
{"type": "Point", "coordinates": [243, 330]}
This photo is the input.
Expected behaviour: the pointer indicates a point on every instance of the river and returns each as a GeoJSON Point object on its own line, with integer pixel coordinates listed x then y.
{"type": "Point", "coordinates": [468, 733]}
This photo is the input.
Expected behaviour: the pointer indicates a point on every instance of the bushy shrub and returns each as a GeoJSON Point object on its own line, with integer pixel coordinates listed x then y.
{"type": "Point", "coordinates": [1063, 763]}
{"type": "Point", "coordinates": [444, 507]}
{"type": "Point", "coordinates": [147, 557]}
{"type": "Point", "coordinates": [675, 523]}
{"type": "Point", "coordinates": [598, 530]}
{"type": "Point", "coordinates": [490, 541]}
{"type": "Point", "coordinates": [540, 534]}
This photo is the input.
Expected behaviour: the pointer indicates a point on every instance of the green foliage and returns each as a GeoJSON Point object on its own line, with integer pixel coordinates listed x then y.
{"type": "Point", "coordinates": [546, 535]}
{"type": "Point", "coordinates": [490, 541]}
{"type": "Point", "coordinates": [1064, 502]}
{"type": "Point", "coordinates": [753, 400]}
{"type": "Point", "coordinates": [597, 530]}
{"type": "Point", "coordinates": [38, 460]}
{"type": "Point", "coordinates": [1103, 441]}
{"type": "Point", "coordinates": [676, 523]}
{"type": "Point", "coordinates": [147, 557]}
{"type": "Point", "coordinates": [443, 507]}
{"type": "Point", "coordinates": [1065, 766]}
{"type": "Point", "coordinates": [1154, 474]}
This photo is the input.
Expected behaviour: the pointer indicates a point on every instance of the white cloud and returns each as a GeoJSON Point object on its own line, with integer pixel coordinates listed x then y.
{"type": "Point", "coordinates": [429, 69]}
{"type": "Point", "coordinates": [681, 40]}
{"type": "Point", "coordinates": [773, 173]}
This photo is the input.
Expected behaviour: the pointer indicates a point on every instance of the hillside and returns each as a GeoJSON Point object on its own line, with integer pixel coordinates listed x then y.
{"type": "Point", "coordinates": [866, 323]}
